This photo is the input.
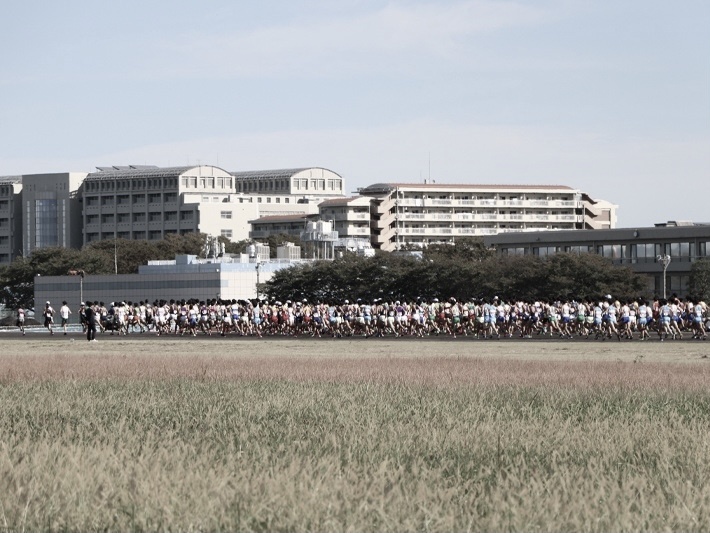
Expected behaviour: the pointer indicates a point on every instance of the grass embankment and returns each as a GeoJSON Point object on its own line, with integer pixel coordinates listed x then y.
{"type": "Point", "coordinates": [604, 452]}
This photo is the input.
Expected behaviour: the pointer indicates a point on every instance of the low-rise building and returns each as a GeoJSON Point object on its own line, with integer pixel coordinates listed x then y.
{"type": "Point", "coordinates": [637, 248]}
{"type": "Point", "coordinates": [186, 277]}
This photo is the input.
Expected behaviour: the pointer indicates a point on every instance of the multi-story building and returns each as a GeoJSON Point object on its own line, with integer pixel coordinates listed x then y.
{"type": "Point", "coordinates": [51, 210]}
{"type": "Point", "coordinates": [10, 218]}
{"type": "Point", "coordinates": [350, 216]}
{"type": "Point", "coordinates": [598, 214]}
{"type": "Point", "coordinates": [425, 213]}
{"type": "Point", "coordinates": [147, 202]}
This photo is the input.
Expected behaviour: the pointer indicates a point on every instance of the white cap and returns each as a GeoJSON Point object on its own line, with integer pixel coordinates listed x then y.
{"type": "Point", "coordinates": [47, 302]}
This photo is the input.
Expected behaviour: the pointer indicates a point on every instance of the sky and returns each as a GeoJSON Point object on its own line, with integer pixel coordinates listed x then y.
{"type": "Point", "coordinates": [611, 97]}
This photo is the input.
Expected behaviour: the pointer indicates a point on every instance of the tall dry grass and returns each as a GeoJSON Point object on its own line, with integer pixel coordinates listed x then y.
{"type": "Point", "coordinates": [273, 443]}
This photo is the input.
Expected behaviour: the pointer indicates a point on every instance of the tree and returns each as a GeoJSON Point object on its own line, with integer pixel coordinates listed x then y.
{"type": "Point", "coordinates": [274, 241]}
{"type": "Point", "coordinates": [230, 247]}
{"type": "Point", "coordinates": [395, 277]}
{"type": "Point", "coordinates": [17, 279]}
{"type": "Point", "coordinates": [464, 249]}
{"type": "Point", "coordinates": [699, 283]}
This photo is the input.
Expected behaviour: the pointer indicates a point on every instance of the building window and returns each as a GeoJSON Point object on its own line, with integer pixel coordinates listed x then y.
{"type": "Point", "coordinates": [154, 235]}
{"type": "Point", "coordinates": [226, 233]}
{"type": "Point", "coordinates": [139, 235]}
{"type": "Point", "coordinates": [107, 218]}
{"type": "Point", "coordinates": [154, 198]}
{"type": "Point", "coordinates": [612, 251]}
{"type": "Point", "coordinates": [643, 253]}
{"type": "Point", "coordinates": [225, 214]}
{"type": "Point", "coordinates": [185, 215]}
{"type": "Point", "coordinates": [544, 251]}
{"type": "Point", "coordinates": [170, 216]}
{"type": "Point", "coordinates": [107, 200]}
{"type": "Point", "coordinates": [155, 217]}
{"type": "Point", "coordinates": [513, 251]}
{"type": "Point", "coordinates": [123, 199]}
{"type": "Point", "coordinates": [138, 217]}
{"type": "Point", "coordinates": [46, 226]}
{"type": "Point", "coordinates": [139, 198]}
{"type": "Point", "coordinates": [170, 197]}
{"type": "Point", "coordinates": [579, 249]}
{"type": "Point", "coordinates": [679, 251]}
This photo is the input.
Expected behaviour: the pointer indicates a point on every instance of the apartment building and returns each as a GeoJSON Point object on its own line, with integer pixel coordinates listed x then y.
{"type": "Point", "coordinates": [425, 213]}
{"type": "Point", "coordinates": [10, 218]}
{"type": "Point", "coordinates": [350, 216]}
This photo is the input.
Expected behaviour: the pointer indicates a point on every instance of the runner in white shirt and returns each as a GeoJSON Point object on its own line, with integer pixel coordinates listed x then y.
{"type": "Point", "coordinates": [64, 312]}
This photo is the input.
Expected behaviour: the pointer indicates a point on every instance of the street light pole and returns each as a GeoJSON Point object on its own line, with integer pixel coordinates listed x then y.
{"type": "Point", "coordinates": [665, 260]}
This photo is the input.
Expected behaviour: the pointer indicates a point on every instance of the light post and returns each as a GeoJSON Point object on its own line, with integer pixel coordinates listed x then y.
{"type": "Point", "coordinates": [665, 260]}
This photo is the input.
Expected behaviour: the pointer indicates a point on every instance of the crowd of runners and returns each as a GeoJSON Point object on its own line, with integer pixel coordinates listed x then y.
{"type": "Point", "coordinates": [602, 319]}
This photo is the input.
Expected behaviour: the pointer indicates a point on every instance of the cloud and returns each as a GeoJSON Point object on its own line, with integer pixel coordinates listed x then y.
{"type": "Point", "coordinates": [648, 177]}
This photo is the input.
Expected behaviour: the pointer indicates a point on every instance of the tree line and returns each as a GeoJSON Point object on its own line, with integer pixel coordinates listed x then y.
{"type": "Point", "coordinates": [467, 270]}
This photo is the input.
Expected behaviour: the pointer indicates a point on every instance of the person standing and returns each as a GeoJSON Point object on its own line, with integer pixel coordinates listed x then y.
{"type": "Point", "coordinates": [91, 318]}
{"type": "Point", "coordinates": [21, 320]}
{"type": "Point", "coordinates": [64, 312]}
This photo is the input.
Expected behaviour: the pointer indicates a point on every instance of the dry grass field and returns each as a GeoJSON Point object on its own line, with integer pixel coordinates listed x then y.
{"type": "Point", "coordinates": [353, 435]}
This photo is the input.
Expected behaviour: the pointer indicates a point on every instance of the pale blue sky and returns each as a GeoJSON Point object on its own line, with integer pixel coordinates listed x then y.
{"type": "Point", "coordinates": [612, 97]}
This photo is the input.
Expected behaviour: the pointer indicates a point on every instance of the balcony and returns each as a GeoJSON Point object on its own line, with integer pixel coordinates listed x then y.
{"type": "Point", "coordinates": [451, 202]}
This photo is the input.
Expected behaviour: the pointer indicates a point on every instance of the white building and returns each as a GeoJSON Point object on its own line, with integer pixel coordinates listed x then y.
{"type": "Point", "coordinates": [350, 216]}
{"type": "Point", "coordinates": [425, 213]}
